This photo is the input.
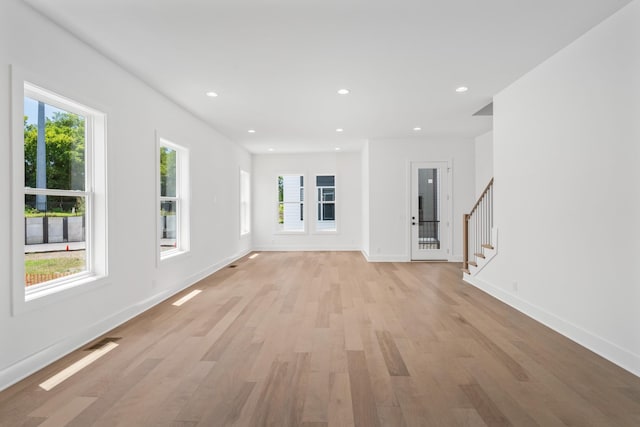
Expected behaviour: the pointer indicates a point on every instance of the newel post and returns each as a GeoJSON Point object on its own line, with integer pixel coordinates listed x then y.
{"type": "Point", "coordinates": [465, 241]}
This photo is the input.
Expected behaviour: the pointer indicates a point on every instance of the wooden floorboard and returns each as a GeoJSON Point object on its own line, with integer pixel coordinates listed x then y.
{"type": "Point", "coordinates": [327, 339]}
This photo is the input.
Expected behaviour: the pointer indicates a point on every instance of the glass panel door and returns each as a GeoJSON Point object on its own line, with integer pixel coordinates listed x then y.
{"type": "Point", "coordinates": [428, 208]}
{"type": "Point", "coordinates": [429, 211]}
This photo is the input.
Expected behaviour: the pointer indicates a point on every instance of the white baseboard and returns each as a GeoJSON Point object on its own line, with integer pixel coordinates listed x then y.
{"type": "Point", "coordinates": [399, 258]}
{"type": "Point", "coordinates": [280, 248]}
{"type": "Point", "coordinates": [31, 364]}
{"type": "Point", "coordinates": [610, 351]}
{"type": "Point", "coordinates": [388, 258]}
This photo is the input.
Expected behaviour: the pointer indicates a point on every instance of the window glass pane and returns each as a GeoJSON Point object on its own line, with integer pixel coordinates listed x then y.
{"type": "Point", "coordinates": [325, 181]}
{"type": "Point", "coordinates": [60, 239]}
{"type": "Point", "coordinates": [245, 202]}
{"type": "Point", "coordinates": [329, 211]}
{"type": "Point", "coordinates": [54, 147]}
{"type": "Point", "coordinates": [428, 208]}
{"type": "Point", "coordinates": [174, 206]}
{"type": "Point", "coordinates": [291, 190]}
{"type": "Point", "coordinates": [55, 237]}
{"type": "Point", "coordinates": [326, 220]}
{"type": "Point", "coordinates": [290, 202]}
{"type": "Point", "coordinates": [328, 194]}
{"type": "Point", "coordinates": [168, 225]}
{"type": "Point", "coordinates": [167, 172]}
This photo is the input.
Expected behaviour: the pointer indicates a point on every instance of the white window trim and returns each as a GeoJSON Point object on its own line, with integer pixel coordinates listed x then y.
{"type": "Point", "coordinates": [245, 232]}
{"type": "Point", "coordinates": [96, 273]}
{"type": "Point", "coordinates": [183, 196]}
{"type": "Point", "coordinates": [305, 206]}
{"type": "Point", "coordinates": [316, 202]}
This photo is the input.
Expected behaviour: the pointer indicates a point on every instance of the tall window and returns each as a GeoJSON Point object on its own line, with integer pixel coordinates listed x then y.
{"type": "Point", "coordinates": [291, 202]}
{"type": "Point", "coordinates": [245, 202]}
{"type": "Point", "coordinates": [173, 220]}
{"type": "Point", "coordinates": [326, 193]}
{"type": "Point", "coordinates": [63, 150]}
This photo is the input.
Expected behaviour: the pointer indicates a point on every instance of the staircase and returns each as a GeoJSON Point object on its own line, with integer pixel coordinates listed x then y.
{"type": "Point", "coordinates": [480, 237]}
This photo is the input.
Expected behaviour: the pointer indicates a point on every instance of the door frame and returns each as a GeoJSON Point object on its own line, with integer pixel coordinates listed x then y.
{"type": "Point", "coordinates": [409, 199]}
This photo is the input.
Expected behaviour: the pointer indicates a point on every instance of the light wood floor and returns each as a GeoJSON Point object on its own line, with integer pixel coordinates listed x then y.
{"type": "Point", "coordinates": [327, 339]}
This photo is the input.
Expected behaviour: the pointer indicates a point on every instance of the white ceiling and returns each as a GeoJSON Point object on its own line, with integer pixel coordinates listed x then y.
{"type": "Point", "coordinates": [277, 64]}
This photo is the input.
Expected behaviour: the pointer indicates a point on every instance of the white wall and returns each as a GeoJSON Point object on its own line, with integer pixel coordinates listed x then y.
{"type": "Point", "coordinates": [347, 168]}
{"type": "Point", "coordinates": [389, 182]}
{"type": "Point", "coordinates": [483, 161]}
{"type": "Point", "coordinates": [65, 65]}
{"type": "Point", "coordinates": [567, 198]}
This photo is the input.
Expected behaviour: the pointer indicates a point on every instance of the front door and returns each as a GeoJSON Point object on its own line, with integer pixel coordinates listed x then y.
{"type": "Point", "coordinates": [429, 211]}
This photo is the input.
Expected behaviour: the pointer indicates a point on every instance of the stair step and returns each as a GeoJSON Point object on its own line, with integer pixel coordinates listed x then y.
{"type": "Point", "coordinates": [480, 255]}
{"type": "Point", "coordinates": [466, 270]}
{"type": "Point", "coordinates": [473, 263]}
{"type": "Point", "coordinates": [487, 246]}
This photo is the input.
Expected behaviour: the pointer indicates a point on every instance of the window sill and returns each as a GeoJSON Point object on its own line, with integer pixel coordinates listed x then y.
{"type": "Point", "coordinates": [327, 232]}
{"type": "Point", "coordinates": [174, 254]}
{"type": "Point", "coordinates": [60, 287]}
{"type": "Point", "coordinates": [290, 233]}
{"type": "Point", "coordinates": [36, 300]}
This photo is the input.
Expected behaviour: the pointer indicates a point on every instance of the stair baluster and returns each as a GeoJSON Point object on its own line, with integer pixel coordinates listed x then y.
{"type": "Point", "coordinates": [478, 229]}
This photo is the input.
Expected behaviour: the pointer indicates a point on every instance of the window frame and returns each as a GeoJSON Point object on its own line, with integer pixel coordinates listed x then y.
{"type": "Point", "coordinates": [319, 203]}
{"type": "Point", "coordinates": [303, 213]}
{"type": "Point", "coordinates": [245, 203]}
{"type": "Point", "coordinates": [182, 199]}
{"type": "Point", "coordinates": [96, 266]}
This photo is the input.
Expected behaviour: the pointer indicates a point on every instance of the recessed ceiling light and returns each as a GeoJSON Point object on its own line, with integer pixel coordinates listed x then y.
{"type": "Point", "coordinates": [417, 128]}
{"type": "Point", "coordinates": [343, 91]}
{"type": "Point", "coordinates": [251, 131]}
{"type": "Point", "coordinates": [338, 148]}
{"type": "Point", "coordinates": [462, 89]}
{"type": "Point", "coordinates": [271, 149]}
{"type": "Point", "coordinates": [339, 130]}
{"type": "Point", "coordinates": [212, 94]}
